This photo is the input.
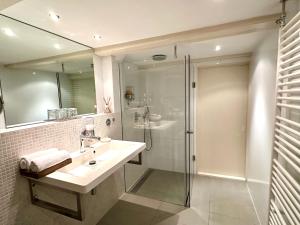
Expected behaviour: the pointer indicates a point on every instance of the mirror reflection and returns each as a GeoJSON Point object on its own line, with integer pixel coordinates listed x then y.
{"type": "Point", "coordinates": [40, 71]}
{"type": "Point", "coordinates": [77, 85]}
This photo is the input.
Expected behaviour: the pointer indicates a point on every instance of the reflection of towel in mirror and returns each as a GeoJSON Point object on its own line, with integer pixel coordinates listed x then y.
{"type": "Point", "coordinates": [44, 162]}
{"type": "Point", "coordinates": [26, 159]}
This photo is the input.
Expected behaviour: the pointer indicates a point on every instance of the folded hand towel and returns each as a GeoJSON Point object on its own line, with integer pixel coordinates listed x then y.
{"type": "Point", "coordinates": [45, 161]}
{"type": "Point", "coordinates": [26, 160]}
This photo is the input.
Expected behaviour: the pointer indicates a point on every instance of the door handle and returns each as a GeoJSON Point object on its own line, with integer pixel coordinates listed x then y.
{"type": "Point", "coordinates": [1, 104]}
{"type": "Point", "coordinates": [190, 132]}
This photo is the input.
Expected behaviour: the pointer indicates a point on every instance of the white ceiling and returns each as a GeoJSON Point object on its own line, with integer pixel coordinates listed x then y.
{"type": "Point", "coordinates": [239, 44]}
{"type": "Point", "coordinates": [119, 21]}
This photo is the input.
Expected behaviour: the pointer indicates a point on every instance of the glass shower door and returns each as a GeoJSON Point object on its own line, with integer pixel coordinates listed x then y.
{"type": "Point", "coordinates": [154, 112]}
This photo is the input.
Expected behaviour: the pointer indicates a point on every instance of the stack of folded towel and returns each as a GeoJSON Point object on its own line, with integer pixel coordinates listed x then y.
{"type": "Point", "coordinates": [41, 160]}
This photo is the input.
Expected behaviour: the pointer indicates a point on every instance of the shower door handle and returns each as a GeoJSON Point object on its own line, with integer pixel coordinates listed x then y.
{"type": "Point", "coordinates": [1, 104]}
{"type": "Point", "coordinates": [190, 132]}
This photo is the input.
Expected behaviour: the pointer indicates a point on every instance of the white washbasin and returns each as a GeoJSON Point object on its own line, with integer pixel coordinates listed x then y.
{"type": "Point", "coordinates": [155, 117]}
{"type": "Point", "coordinates": [159, 125]}
{"type": "Point", "coordinates": [81, 177]}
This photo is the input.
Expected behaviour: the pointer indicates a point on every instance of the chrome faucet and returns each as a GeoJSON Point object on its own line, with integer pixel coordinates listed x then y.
{"type": "Point", "coordinates": [87, 138]}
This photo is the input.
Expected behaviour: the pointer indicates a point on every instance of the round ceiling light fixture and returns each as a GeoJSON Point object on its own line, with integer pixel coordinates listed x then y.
{"type": "Point", "coordinates": [57, 46]}
{"type": "Point", "coordinates": [97, 37]}
{"type": "Point", "coordinates": [7, 31]}
{"type": "Point", "coordinates": [54, 16]}
{"type": "Point", "coordinates": [218, 48]}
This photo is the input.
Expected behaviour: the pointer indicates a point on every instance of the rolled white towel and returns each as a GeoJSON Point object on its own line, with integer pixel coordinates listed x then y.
{"type": "Point", "coordinates": [26, 159]}
{"type": "Point", "coordinates": [45, 161]}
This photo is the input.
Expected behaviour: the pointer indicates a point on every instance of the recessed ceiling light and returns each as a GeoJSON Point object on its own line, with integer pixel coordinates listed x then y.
{"type": "Point", "coordinates": [54, 16]}
{"type": "Point", "coordinates": [57, 46]}
{"type": "Point", "coordinates": [33, 73]}
{"type": "Point", "coordinates": [7, 31]}
{"type": "Point", "coordinates": [80, 71]}
{"type": "Point", "coordinates": [218, 48]}
{"type": "Point", "coordinates": [97, 37]}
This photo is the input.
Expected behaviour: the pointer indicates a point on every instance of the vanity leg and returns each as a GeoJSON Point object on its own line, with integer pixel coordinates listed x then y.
{"type": "Point", "coordinates": [75, 214]}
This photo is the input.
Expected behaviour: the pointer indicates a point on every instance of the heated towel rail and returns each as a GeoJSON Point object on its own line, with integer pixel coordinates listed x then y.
{"type": "Point", "coordinates": [285, 174]}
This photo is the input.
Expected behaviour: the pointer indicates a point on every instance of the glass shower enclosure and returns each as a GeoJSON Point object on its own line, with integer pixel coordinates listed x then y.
{"type": "Point", "coordinates": [156, 109]}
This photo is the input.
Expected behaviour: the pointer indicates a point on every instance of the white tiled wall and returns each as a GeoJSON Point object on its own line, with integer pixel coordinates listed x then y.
{"type": "Point", "coordinates": [15, 206]}
{"type": "Point", "coordinates": [168, 150]}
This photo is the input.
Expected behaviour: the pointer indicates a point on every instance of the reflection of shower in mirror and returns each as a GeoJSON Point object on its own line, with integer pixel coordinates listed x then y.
{"type": "Point", "coordinates": [129, 94]}
{"type": "Point", "coordinates": [147, 99]}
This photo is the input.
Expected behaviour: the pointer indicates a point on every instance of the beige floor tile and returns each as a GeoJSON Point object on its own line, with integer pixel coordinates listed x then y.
{"type": "Point", "coordinates": [235, 198]}
{"type": "Point", "coordinates": [161, 216]}
{"type": "Point", "coordinates": [162, 185]}
{"type": "Point", "coordinates": [186, 217]}
{"type": "Point", "coordinates": [126, 213]}
{"type": "Point", "coordinates": [214, 201]}
{"type": "Point", "coordinates": [224, 208]}
{"type": "Point", "coordinates": [140, 200]}
{"type": "Point", "coordinates": [170, 208]}
{"type": "Point", "coordinates": [248, 215]}
{"type": "Point", "coordinates": [217, 219]}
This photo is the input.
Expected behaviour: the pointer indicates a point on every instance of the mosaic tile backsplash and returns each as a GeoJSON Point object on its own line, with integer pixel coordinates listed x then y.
{"type": "Point", "coordinates": [16, 142]}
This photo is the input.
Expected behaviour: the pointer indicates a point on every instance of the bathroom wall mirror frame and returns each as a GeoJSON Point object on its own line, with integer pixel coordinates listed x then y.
{"type": "Point", "coordinates": [40, 70]}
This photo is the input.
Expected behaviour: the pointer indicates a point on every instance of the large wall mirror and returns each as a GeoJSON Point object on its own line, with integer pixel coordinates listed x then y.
{"type": "Point", "coordinates": [41, 71]}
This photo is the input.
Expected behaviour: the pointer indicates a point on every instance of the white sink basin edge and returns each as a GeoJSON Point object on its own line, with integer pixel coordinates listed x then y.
{"type": "Point", "coordinates": [81, 177]}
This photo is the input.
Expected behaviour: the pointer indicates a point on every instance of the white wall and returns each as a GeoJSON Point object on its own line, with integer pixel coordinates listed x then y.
{"type": "Point", "coordinates": [27, 96]}
{"type": "Point", "coordinates": [107, 82]}
{"type": "Point", "coordinates": [221, 120]}
{"type": "Point", "coordinates": [261, 111]}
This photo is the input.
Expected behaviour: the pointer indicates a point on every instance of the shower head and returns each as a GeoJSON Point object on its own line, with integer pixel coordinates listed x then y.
{"type": "Point", "coordinates": [159, 57]}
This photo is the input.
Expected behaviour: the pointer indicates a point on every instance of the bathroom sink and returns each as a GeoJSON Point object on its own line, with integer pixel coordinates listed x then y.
{"type": "Point", "coordinates": [158, 125]}
{"type": "Point", "coordinates": [155, 117]}
{"type": "Point", "coordinates": [80, 176]}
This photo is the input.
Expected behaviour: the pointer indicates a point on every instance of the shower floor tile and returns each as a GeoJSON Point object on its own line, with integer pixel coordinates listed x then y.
{"type": "Point", "coordinates": [162, 185]}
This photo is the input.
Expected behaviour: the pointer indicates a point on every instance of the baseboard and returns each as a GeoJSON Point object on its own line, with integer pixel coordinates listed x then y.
{"type": "Point", "coordinates": [222, 176]}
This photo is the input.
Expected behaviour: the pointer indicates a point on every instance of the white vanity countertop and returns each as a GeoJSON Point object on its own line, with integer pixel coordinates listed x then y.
{"type": "Point", "coordinates": [81, 177]}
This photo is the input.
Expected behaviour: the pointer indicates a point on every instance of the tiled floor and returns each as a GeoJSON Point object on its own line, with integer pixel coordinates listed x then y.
{"type": "Point", "coordinates": [215, 202]}
{"type": "Point", "coordinates": [162, 185]}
